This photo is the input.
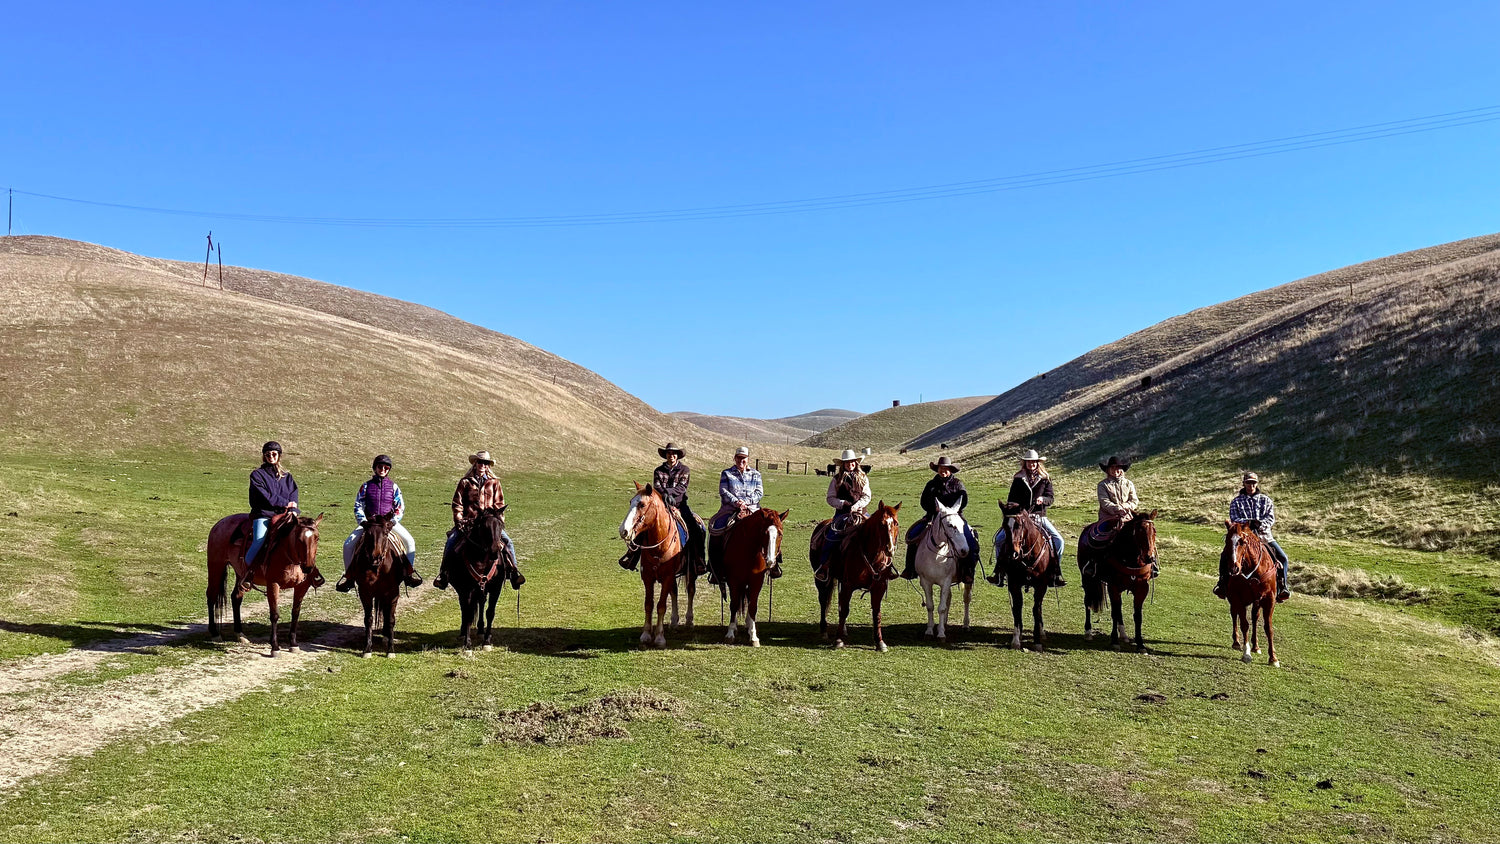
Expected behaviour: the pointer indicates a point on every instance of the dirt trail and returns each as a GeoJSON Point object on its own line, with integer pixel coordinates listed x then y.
{"type": "Point", "coordinates": [58, 722]}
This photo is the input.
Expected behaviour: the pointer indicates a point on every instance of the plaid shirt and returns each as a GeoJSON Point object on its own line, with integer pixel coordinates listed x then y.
{"type": "Point", "coordinates": [745, 488]}
{"type": "Point", "coordinates": [1245, 508]}
{"type": "Point", "coordinates": [672, 482]}
{"type": "Point", "coordinates": [474, 494]}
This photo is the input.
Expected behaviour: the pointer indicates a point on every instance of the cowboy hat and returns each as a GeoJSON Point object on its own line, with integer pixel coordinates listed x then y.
{"type": "Point", "coordinates": [1114, 461]}
{"type": "Point", "coordinates": [847, 455]}
{"type": "Point", "coordinates": [1031, 455]}
{"type": "Point", "coordinates": [481, 457]}
{"type": "Point", "coordinates": [670, 448]}
{"type": "Point", "coordinates": [742, 451]}
{"type": "Point", "coordinates": [943, 463]}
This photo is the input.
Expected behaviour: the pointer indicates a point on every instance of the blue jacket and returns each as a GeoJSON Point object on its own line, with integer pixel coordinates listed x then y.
{"type": "Point", "coordinates": [270, 494]}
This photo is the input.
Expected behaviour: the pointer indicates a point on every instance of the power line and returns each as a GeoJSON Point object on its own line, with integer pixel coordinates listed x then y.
{"type": "Point", "coordinates": [1023, 181]}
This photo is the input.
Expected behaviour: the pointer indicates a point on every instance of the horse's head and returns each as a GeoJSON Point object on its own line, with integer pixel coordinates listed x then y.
{"type": "Point", "coordinates": [951, 524]}
{"type": "Point", "coordinates": [1143, 537]}
{"type": "Point", "coordinates": [885, 516]}
{"type": "Point", "coordinates": [1242, 547]}
{"type": "Point", "coordinates": [373, 545]}
{"type": "Point", "coordinates": [773, 522]}
{"type": "Point", "coordinates": [646, 502]}
{"type": "Point", "coordinates": [489, 525]}
{"type": "Point", "coordinates": [302, 539]}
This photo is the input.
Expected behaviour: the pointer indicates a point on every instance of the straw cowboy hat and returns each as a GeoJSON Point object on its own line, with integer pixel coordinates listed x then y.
{"type": "Point", "coordinates": [671, 448]}
{"type": "Point", "coordinates": [847, 455]}
{"type": "Point", "coordinates": [481, 457]}
{"type": "Point", "coordinates": [1031, 455]}
{"type": "Point", "coordinates": [1114, 461]}
{"type": "Point", "coordinates": [943, 463]}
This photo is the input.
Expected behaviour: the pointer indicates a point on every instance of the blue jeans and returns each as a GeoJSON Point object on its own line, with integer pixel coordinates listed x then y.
{"type": "Point", "coordinates": [258, 530]}
{"type": "Point", "coordinates": [1046, 523]}
{"type": "Point", "coordinates": [1280, 556]}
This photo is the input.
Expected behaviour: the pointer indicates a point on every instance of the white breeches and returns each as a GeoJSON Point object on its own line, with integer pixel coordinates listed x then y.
{"type": "Point", "coordinates": [396, 530]}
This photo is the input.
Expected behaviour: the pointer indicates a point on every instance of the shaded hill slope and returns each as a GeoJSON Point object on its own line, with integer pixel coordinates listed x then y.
{"type": "Point", "coordinates": [887, 429]}
{"type": "Point", "coordinates": [104, 349]}
{"type": "Point", "coordinates": [1375, 414]}
{"type": "Point", "coordinates": [785, 431]}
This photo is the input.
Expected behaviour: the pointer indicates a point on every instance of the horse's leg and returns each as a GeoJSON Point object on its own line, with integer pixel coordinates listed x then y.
{"type": "Point", "coordinates": [666, 587]}
{"type": "Point", "coordinates": [752, 609]}
{"type": "Point", "coordinates": [692, 593]}
{"type": "Point", "coordinates": [945, 600]}
{"type": "Point", "coordinates": [825, 596]}
{"type": "Point", "coordinates": [468, 610]}
{"type": "Point", "coordinates": [298, 592]}
{"type": "Point", "coordinates": [498, 586]}
{"type": "Point", "coordinates": [1038, 631]}
{"type": "Point", "coordinates": [1116, 617]}
{"type": "Point", "coordinates": [1234, 627]}
{"type": "Point", "coordinates": [1015, 611]}
{"type": "Point", "coordinates": [845, 592]}
{"type": "Point", "coordinates": [674, 602]}
{"type": "Point", "coordinates": [734, 608]}
{"type": "Point", "coordinates": [647, 634]}
{"type": "Point", "coordinates": [273, 592]}
{"type": "Point", "coordinates": [877, 597]}
{"type": "Point", "coordinates": [1088, 614]}
{"type": "Point", "coordinates": [236, 600]}
{"type": "Point", "coordinates": [369, 602]}
{"type": "Point", "coordinates": [1270, 604]}
{"type": "Point", "coordinates": [968, 589]}
{"type": "Point", "coordinates": [928, 603]}
{"type": "Point", "coordinates": [214, 587]}
{"type": "Point", "coordinates": [390, 624]}
{"type": "Point", "coordinates": [1245, 623]}
{"type": "Point", "coordinates": [1254, 631]}
{"type": "Point", "coordinates": [1140, 594]}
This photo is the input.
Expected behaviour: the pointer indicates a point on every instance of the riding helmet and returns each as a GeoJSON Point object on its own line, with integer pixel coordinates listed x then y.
{"type": "Point", "coordinates": [271, 446]}
{"type": "Point", "coordinates": [381, 460]}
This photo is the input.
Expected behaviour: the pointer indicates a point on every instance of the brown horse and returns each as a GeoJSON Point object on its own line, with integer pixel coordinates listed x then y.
{"type": "Point", "coordinates": [477, 569]}
{"type": "Point", "coordinates": [378, 569]}
{"type": "Point", "coordinates": [860, 561]}
{"type": "Point", "coordinates": [1250, 588]}
{"type": "Point", "coordinates": [1026, 554]}
{"type": "Point", "coordinates": [650, 527]}
{"type": "Point", "coordinates": [286, 561]}
{"type": "Point", "coordinates": [1125, 564]}
{"type": "Point", "coordinates": [749, 549]}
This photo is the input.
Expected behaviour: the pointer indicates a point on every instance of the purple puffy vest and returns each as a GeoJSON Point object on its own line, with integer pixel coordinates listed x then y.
{"type": "Point", "coordinates": [380, 496]}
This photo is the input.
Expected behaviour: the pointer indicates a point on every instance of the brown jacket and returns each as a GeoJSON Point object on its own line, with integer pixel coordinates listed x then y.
{"type": "Point", "coordinates": [476, 493]}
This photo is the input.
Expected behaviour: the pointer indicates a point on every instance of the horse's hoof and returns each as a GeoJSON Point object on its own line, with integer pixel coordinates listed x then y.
{"type": "Point", "coordinates": [365, 655]}
{"type": "Point", "coordinates": [661, 641]}
{"type": "Point", "coordinates": [927, 634]}
{"type": "Point", "coordinates": [754, 643]}
{"type": "Point", "coordinates": [242, 639]}
{"type": "Point", "coordinates": [1256, 651]}
{"type": "Point", "coordinates": [1275, 663]}
{"type": "Point", "coordinates": [296, 649]}
{"type": "Point", "coordinates": [881, 646]}
{"type": "Point", "coordinates": [1088, 635]}
{"type": "Point", "coordinates": [1247, 659]}
{"type": "Point", "coordinates": [838, 645]}
{"type": "Point", "coordinates": [387, 654]}
{"type": "Point", "coordinates": [489, 647]}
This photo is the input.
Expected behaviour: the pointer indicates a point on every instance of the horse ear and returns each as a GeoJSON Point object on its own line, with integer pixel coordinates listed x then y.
{"type": "Point", "coordinates": [897, 507]}
{"type": "Point", "coordinates": [784, 512]}
{"type": "Point", "coordinates": [637, 486]}
{"type": "Point", "coordinates": [1228, 525]}
{"type": "Point", "coordinates": [1152, 517]}
{"type": "Point", "coordinates": [503, 508]}
{"type": "Point", "coordinates": [318, 520]}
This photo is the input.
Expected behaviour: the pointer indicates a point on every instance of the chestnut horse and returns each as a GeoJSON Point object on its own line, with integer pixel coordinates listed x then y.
{"type": "Point", "coordinates": [378, 569]}
{"type": "Point", "coordinates": [751, 546]}
{"type": "Point", "coordinates": [286, 561]}
{"type": "Point", "coordinates": [477, 570]}
{"type": "Point", "coordinates": [1026, 554]}
{"type": "Point", "coordinates": [860, 561]}
{"type": "Point", "coordinates": [1124, 565]}
{"type": "Point", "coordinates": [650, 527]}
{"type": "Point", "coordinates": [1250, 588]}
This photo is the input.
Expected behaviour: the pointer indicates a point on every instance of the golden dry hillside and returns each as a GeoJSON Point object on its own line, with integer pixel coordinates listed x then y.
{"type": "Point", "coordinates": [104, 350]}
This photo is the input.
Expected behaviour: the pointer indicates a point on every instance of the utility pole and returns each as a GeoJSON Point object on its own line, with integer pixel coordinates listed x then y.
{"type": "Point", "coordinates": [219, 248]}
{"type": "Point", "coordinates": [10, 209]}
{"type": "Point", "coordinates": [208, 256]}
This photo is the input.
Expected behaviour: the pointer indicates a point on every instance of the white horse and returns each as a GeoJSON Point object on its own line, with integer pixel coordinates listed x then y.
{"type": "Point", "coordinates": [937, 565]}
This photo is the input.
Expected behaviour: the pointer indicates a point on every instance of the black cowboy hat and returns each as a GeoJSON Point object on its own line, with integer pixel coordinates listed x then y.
{"type": "Point", "coordinates": [1115, 461]}
{"type": "Point", "coordinates": [671, 448]}
{"type": "Point", "coordinates": [381, 460]}
{"type": "Point", "coordinates": [943, 463]}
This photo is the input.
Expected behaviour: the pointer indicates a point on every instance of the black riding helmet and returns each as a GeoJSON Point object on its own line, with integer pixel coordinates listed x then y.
{"type": "Point", "coordinates": [381, 460]}
{"type": "Point", "coordinates": [271, 446]}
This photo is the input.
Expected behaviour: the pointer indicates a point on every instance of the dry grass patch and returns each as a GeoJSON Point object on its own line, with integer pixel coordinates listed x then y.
{"type": "Point", "coordinates": [605, 718]}
{"type": "Point", "coordinates": [1313, 579]}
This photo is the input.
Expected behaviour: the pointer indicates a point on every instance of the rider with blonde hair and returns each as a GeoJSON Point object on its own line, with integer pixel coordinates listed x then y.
{"type": "Point", "coordinates": [478, 490]}
{"type": "Point", "coordinates": [849, 495]}
{"type": "Point", "coordinates": [1031, 490]}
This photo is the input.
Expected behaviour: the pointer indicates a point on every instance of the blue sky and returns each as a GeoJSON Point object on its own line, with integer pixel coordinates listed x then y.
{"type": "Point", "coordinates": [417, 111]}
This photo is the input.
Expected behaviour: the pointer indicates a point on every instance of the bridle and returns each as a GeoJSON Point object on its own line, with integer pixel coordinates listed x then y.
{"type": "Point", "coordinates": [667, 535]}
{"type": "Point", "coordinates": [940, 524]}
{"type": "Point", "coordinates": [1237, 543]}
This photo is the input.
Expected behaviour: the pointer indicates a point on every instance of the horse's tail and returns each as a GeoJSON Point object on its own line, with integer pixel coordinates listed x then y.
{"type": "Point", "coordinates": [218, 592]}
{"type": "Point", "coordinates": [1093, 593]}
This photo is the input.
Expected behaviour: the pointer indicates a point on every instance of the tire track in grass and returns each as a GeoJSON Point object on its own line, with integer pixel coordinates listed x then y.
{"type": "Point", "coordinates": [59, 722]}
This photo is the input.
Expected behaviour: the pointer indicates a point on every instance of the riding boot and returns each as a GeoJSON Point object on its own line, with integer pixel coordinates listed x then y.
{"type": "Point", "coordinates": [775, 569]}
{"type": "Point", "coordinates": [998, 576]}
{"type": "Point", "coordinates": [516, 578]}
{"type": "Point", "coordinates": [441, 581]}
{"type": "Point", "coordinates": [1223, 573]}
{"type": "Point", "coordinates": [315, 576]}
{"type": "Point", "coordinates": [910, 572]}
{"type": "Point", "coordinates": [820, 572]}
{"type": "Point", "coordinates": [345, 583]}
{"type": "Point", "coordinates": [1054, 572]}
{"type": "Point", "coordinates": [966, 566]}
{"type": "Point", "coordinates": [412, 579]}
{"type": "Point", "coordinates": [715, 553]}
{"type": "Point", "coordinates": [1282, 592]}
{"type": "Point", "coordinates": [630, 559]}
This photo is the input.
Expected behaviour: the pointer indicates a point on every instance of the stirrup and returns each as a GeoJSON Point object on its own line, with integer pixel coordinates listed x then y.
{"type": "Point", "coordinates": [441, 581]}
{"type": "Point", "coordinates": [625, 561]}
{"type": "Point", "coordinates": [344, 584]}
{"type": "Point", "coordinates": [413, 580]}
{"type": "Point", "coordinates": [820, 574]}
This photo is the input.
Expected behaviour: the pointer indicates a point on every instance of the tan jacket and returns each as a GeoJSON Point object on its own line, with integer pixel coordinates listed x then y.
{"type": "Point", "coordinates": [1117, 498]}
{"type": "Point", "coordinates": [474, 494]}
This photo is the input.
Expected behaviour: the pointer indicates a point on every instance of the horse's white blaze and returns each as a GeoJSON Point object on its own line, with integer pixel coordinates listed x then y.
{"type": "Point", "coordinates": [771, 545]}
{"type": "Point", "coordinates": [627, 527]}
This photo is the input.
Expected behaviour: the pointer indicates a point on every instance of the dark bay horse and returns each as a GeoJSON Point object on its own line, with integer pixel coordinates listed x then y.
{"type": "Point", "coordinates": [860, 561]}
{"type": "Point", "coordinates": [378, 569]}
{"type": "Point", "coordinates": [476, 568]}
{"type": "Point", "coordinates": [286, 561]}
{"type": "Point", "coordinates": [1250, 588]}
{"type": "Point", "coordinates": [650, 527]}
{"type": "Point", "coordinates": [1026, 554]}
{"type": "Point", "coordinates": [749, 549]}
{"type": "Point", "coordinates": [1124, 565]}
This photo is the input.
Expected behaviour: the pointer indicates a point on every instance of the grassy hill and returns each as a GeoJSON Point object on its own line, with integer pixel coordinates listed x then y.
{"type": "Point", "coordinates": [1366, 398]}
{"type": "Point", "coordinates": [784, 431]}
{"type": "Point", "coordinates": [105, 350]}
{"type": "Point", "coordinates": [888, 429]}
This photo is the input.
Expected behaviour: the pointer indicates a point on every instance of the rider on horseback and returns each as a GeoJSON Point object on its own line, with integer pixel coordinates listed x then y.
{"type": "Point", "coordinates": [273, 492]}
{"type": "Point", "coordinates": [671, 480]}
{"type": "Point", "coordinates": [477, 491]}
{"type": "Point", "coordinates": [947, 489]}
{"type": "Point", "coordinates": [740, 492]}
{"type": "Point", "coordinates": [1252, 506]}
{"type": "Point", "coordinates": [1031, 490]}
{"type": "Point", "coordinates": [1118, 502]}
{"type": "Point", "coordinates": [848, 494]}
{"type": "Point", "coordinates": [379, 496]}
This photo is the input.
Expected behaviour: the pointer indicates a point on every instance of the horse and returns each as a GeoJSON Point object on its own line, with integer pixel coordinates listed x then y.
{"type": "Point", "coordinates": [476, 569]}
{"type": "Point", "coordinates": [749, 549]}
{"type": "Point", "coordinates": [1026, 554]}
{"type": "Point", "coordinates": [1250, 588]}
{"type": "Point", "coordinates": [1125, 564]}
{"type": "Point", "coordinates": [937, 565]}
{"type": "Point", "coordinates": [378, 570]}
{"type": "Point", "coordinates": [650, 527]}
{"type": "Point", "coordinates": [859, 562]}
{"type": "Point", "coordinates": [286, 561]}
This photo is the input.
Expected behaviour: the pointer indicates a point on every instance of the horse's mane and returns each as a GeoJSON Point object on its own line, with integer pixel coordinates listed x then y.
{"type": "Point", "coordinates": [377, 530]}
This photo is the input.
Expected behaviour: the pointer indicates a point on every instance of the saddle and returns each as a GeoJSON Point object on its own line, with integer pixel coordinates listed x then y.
{"type": "Point", "coordinates": [716, 531]}
{"type": "Point", "coordinates": [1097, 536]}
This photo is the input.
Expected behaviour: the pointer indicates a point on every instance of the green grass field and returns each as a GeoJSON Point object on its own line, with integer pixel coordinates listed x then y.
{"type": "Point", "coordinates": [1384, 723]}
